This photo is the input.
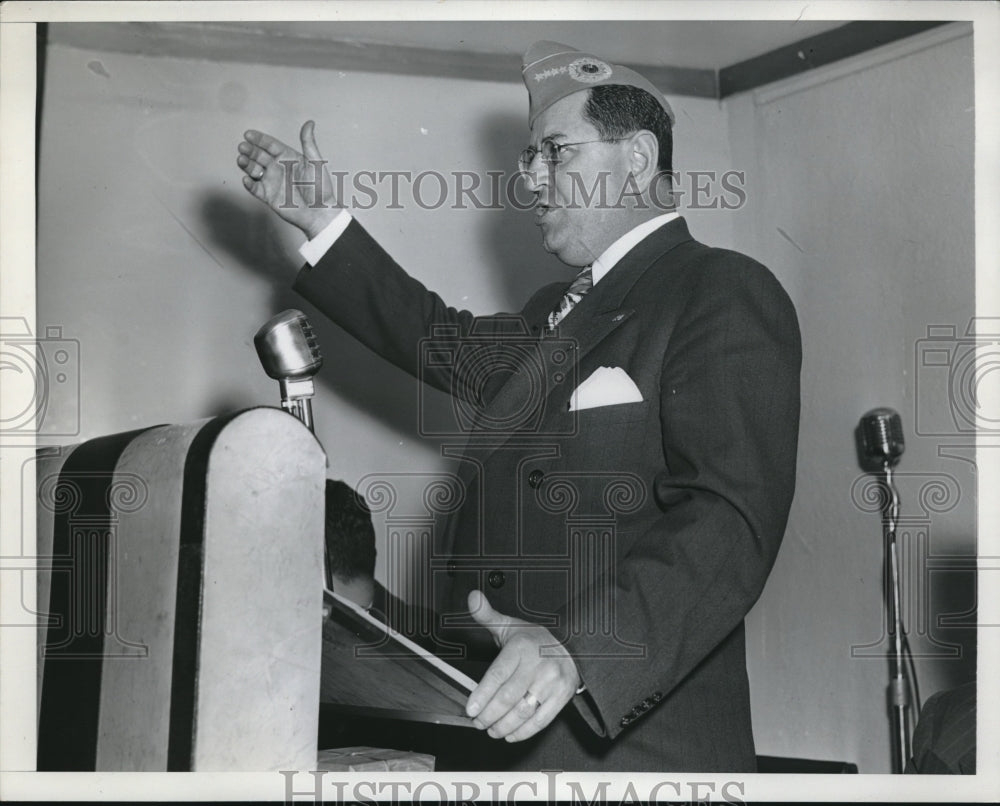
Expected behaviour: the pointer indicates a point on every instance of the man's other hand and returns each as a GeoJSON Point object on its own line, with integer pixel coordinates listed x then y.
{"type": "Point", "coordinates": [528, 683]}
{"type": "Point", "coordinates": [297, 186]}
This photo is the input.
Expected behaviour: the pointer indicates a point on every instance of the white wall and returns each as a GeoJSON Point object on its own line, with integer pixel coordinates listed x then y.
{"type": "Point", "coordinates": [861, 201]}
{"type": "Point", "coordinates": [153, 257]}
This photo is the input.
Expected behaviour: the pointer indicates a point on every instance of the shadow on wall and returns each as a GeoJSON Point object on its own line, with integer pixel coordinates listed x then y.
{"type": "Point", "coordinates": [939, 617]}
{"type": "Point", "coordinates": [951, 635]}
{"type": "Point", "coordinates": [351, 371]}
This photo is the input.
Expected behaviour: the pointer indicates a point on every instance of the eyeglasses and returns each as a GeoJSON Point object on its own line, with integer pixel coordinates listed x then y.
{"type": "Point", "coordinates": [551, 152]}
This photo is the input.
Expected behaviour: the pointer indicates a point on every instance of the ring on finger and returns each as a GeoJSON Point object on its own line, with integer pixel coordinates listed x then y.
{"type": "Point", "coordinates": [532, 701]}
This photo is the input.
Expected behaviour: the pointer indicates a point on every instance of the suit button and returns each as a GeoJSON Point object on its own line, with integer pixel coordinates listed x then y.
{"type": "Point", "coordinates": [657, 696]}
{"type": "Point", "coordinates": [450, 568]}
{"type": "Point", "coordinates": [496, 579]}
{"type": "Point", "coordinates": [535, 478]}
{"type": "Point", "coordinates": [647, 703]}
{"type": "Point", "coordinates": [626, 721]}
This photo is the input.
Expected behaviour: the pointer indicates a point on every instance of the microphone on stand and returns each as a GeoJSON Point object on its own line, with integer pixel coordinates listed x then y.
{"type": "Point", "coordinates": [882, 441]}
{"type": "Point", "coordinates": [289, 353]}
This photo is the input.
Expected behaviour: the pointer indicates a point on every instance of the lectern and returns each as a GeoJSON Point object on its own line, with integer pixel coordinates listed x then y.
{"type": "Point", "coordinates": [180, 607]}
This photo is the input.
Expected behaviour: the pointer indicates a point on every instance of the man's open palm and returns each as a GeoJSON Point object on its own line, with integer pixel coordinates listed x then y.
{"type": "Point", "coordinates": [296, 185]}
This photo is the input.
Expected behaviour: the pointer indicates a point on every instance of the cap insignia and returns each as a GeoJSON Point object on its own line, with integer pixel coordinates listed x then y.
{"type": "Point", "coordinates": [589, 71]}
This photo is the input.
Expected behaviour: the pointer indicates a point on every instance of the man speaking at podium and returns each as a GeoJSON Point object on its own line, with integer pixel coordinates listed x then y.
{"type": "Point", "coordinates": [683, 424]}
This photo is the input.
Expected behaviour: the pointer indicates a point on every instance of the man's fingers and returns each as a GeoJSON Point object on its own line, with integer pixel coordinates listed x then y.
{"type": "Point", "coordinates": [479, 607]}
{"type": "Point", "coordinates": [268, 165]}
{"type": "Point", "coordinates": [246, 163]}
{"type": "Point", "coordinates": [250, 168]}
{"type": "Point", "coordinates": [254, 188]}
{"type": "Point", "coordinates": [485, 615]}
{"type": "Point", "coordinates": [500, 671]}
{"type": "Point", "coordinates": [255, 154]}
{"type": "Point", "coordinates": [271, 145]}
{"type": "Point", "coordinates": [546, 712]}
{"type": "Point", "coordinates": [508, 697]}
{"type": "Point", "coordinates": [308, 138]}
{"type": "Point", "coordinates": [525, 693]}
{"type": "Point", "coordinates": [525, 707]}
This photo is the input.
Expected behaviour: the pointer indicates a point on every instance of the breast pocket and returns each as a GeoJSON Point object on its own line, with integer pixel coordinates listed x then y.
{"type": "Point", "coordinates": [605, 436]}
{"type": "Point", "coordinates": [601, 416]}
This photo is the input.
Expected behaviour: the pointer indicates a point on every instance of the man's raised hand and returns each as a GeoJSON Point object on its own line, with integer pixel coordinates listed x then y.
{"type": "Point", "coordinates": [296, 185]}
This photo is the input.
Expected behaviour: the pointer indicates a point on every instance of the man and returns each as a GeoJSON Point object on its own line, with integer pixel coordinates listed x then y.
{"type": "Point", "coordinates": [350, 572]}
{"type": "Point", "coordinates": [350, 551]}
{"type": "Point", "coordinates": [944, 741]}
{"type": "Point", "coordinates": [670, 502]}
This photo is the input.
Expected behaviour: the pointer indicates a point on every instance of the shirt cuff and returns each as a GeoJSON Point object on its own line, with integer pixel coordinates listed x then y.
{"type": "Point", "coordinates": [313, 251]}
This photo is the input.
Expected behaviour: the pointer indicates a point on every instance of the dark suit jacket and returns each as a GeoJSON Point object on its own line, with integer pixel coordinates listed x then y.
{"type": "Point", "coordinates": [641, 533]}
{"type": "Point", "coordinates": [944, 742]}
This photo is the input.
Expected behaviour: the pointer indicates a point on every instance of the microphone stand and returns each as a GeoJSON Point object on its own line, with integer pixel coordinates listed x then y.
{"type": "Point", "coordinates": [899, 693]}
{"type": "Point", "coordinates": [296, 399]}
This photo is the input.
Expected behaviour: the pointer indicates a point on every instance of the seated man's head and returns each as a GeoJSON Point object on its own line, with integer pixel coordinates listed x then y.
{"type": "Point", "coordinates": [350, 544]}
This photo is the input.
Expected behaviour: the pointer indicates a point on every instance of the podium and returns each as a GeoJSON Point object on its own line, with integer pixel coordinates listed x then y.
{"type": "Point", "coordinates": [180, 606]}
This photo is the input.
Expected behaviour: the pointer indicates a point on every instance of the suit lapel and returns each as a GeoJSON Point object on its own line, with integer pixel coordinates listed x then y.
{"type": "Point", "coordinates": [592, 320]}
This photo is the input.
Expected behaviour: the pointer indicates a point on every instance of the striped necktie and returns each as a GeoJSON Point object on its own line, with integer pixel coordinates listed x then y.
{"type": "Point", "coordinates": [581, 285]}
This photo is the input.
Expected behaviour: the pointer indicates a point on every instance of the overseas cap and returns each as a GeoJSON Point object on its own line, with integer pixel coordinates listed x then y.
{"type": "Point", "coordinates": [552, 71]}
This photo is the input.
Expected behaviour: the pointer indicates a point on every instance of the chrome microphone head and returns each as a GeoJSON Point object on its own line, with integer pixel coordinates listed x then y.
{"type": "Point", "coordinates": [882, 435]}
{"type": "Point", "coordinates": [287, 346]}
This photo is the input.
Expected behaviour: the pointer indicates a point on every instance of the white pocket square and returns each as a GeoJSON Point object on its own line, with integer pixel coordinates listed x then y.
{"type": "Point", "coordinates": [606, 386]}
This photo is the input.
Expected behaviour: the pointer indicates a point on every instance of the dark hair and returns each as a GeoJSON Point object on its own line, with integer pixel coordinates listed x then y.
{"type": "Point", "coordinates": [618, 111]}
{"type": "Point", "coordinates": [350, 536]}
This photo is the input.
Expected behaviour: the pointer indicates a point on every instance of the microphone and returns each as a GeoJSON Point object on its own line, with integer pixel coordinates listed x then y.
{"type": "Point", "coordinates": [882, 441]}
{"type": "Point", "coordinates": [882, 436]}
{"type": "Point", "coordinates": [289, 353]}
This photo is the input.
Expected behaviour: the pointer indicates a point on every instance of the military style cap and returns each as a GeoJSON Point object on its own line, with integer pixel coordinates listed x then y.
{"type": "Point", "coordinates": [552, 71]}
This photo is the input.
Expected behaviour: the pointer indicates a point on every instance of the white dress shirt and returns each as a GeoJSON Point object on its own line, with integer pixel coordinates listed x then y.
{"type": "Point", "coordinates": [609, 257]}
